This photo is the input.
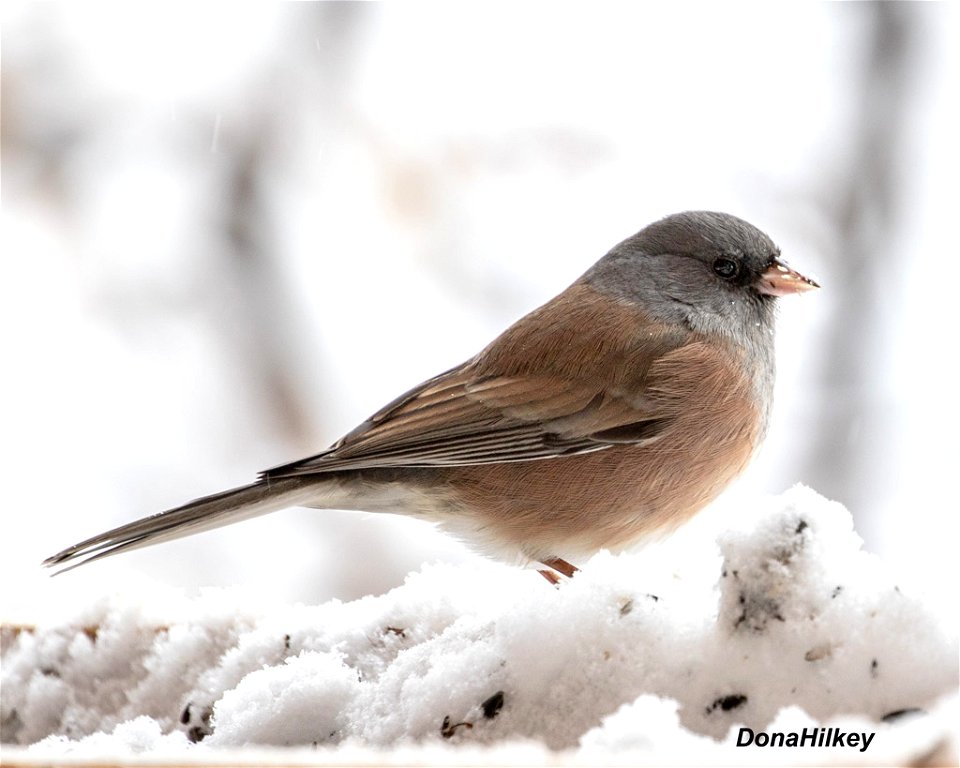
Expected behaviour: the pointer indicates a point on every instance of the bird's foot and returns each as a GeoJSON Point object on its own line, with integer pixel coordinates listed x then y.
{"type": "Point", "coordinates": [556, 568]}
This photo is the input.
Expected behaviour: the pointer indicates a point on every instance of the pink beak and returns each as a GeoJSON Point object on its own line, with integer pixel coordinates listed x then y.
{"type": "Point", "coordinates": [780, 280]}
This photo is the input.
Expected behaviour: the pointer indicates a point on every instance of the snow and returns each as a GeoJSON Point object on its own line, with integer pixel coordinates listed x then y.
{"type": "Point", "coordinates": [662, 655]}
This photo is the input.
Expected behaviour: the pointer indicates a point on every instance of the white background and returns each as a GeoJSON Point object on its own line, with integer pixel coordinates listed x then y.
{"type": "Point", "coordinates": [230, 232]}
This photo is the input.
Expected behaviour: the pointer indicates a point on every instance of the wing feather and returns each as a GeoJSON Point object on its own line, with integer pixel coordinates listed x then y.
{"type": "Point", "coordinates": [459, 422]}
{"type": "Point", "coordinates": [492, 410]}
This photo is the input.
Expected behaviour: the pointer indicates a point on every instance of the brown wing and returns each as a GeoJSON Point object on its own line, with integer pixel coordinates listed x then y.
{"type": "Point", "coordinates": [551, 385]}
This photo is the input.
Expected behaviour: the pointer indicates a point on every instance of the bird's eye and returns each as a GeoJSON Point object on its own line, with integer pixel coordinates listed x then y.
{"type": "Point", "coordinates": [725, 267]}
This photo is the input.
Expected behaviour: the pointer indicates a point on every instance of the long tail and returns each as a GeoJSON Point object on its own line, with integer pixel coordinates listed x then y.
{"type": "Point", "coordinates": [200, 515]}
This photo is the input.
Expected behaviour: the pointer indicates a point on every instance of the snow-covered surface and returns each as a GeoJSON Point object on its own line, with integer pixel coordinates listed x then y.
{"type": "Point", "coordinates": [659, 656]}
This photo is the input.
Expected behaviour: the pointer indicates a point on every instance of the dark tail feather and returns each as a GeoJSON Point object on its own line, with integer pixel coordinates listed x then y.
{"type": "Point", "coordinates": [203, 514]}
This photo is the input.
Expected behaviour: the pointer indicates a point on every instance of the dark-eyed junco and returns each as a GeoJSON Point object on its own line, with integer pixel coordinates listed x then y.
{"type": "Point", "coordinates": [616, 410]}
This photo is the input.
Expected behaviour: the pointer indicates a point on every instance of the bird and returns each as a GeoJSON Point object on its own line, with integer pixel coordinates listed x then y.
{"type": "Point", "coordinates": [609, 415]}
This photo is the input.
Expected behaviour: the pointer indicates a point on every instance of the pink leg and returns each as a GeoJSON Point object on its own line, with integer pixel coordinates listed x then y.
{"type": "Point", "coordinates": [550, 576]}
{"type": "Point", "coordinates": [561, 566]}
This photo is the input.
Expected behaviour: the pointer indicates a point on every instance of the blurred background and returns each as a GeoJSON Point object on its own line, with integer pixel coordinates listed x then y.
{"type": "Point", "coordinates": [232, 231]}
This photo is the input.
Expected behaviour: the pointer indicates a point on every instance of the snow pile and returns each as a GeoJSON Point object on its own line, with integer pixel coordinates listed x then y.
{"type": "Point", "coordinates": [789, 626]}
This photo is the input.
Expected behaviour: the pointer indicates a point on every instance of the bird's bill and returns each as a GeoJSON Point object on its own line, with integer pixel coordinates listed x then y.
{"type": "Point", "coordinates": [781, 280]}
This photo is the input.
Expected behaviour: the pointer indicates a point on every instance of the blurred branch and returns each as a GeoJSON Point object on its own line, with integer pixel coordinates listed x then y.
{"type": "Point", "coordinates": [263, 327]}
{"type": "Point", "coordinates": [850, 456]}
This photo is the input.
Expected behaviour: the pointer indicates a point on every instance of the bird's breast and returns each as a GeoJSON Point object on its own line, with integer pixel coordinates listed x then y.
{"type": "Point", "coordinates": [573, 506]}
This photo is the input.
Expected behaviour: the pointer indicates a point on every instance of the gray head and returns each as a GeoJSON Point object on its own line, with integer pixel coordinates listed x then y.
{"type": "Point", "coordinates": [712, 272]}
